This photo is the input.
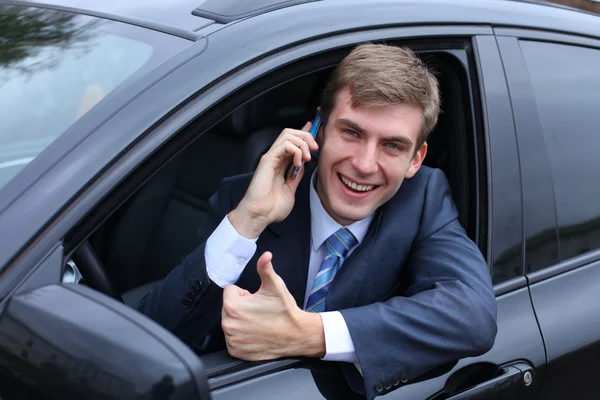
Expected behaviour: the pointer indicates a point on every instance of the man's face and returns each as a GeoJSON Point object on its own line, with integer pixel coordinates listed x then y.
{"type": "Point", "coordinates": [366, 153]}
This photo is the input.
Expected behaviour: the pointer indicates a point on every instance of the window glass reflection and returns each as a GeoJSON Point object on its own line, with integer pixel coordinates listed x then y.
{"type": "Point", "coordinates": [55, 67]}
{"type": "Point", "coordinates": [566, 83]}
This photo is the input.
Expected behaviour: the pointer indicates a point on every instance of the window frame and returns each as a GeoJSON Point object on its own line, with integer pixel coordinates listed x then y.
{"type": "Point", "coordinates": [183, 129]}
{"type": "Point", "coordinates": [505, 226]}
{"type": "Point", "coordinates": [222, 370]}
{"type": "Point", "coordinates": [180, 130]}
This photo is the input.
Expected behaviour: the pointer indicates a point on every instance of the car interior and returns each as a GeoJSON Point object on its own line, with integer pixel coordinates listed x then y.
{"type": "Point", "coordinates": [148, 235]}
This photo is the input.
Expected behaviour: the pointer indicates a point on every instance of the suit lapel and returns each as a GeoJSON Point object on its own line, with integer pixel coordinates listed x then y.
{"type": "Point", "coordinates": [289, 241]}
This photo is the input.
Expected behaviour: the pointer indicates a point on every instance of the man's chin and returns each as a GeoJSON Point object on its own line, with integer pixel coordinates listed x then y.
{"type": "Point", "coordinates": [347, 217]}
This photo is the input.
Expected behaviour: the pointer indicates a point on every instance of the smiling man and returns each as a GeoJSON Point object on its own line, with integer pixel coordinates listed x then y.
{"type": "Point", "coordinates": [360, 259]}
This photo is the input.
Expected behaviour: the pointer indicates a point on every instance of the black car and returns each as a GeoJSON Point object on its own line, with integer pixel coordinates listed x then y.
{"type": "Point", "coordinates": [117, 126]}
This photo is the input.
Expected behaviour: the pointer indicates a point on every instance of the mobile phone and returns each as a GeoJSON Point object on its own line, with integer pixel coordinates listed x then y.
{"type": "Point", "coordinates": [316, 124]}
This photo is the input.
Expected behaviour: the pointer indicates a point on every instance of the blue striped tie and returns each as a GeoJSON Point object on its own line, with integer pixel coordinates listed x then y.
{"type": "Point", "coordinates": [338, 245]}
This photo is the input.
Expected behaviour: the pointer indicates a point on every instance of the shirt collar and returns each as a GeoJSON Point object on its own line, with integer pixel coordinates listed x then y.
{"type": "Point", "coordinates": [322, 225]}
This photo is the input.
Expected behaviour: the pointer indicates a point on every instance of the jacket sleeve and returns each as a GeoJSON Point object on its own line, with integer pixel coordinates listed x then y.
{"type": "Point", "coordinates": [447, 313]}
{"type": "Point", "coordinates": [186, 301]}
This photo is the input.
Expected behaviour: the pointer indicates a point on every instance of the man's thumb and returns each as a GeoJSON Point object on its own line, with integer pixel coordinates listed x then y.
{"type": "Point", "coordinates": [267, 274]}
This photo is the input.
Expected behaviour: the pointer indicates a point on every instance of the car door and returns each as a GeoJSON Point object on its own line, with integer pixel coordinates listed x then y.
{"type": "Point", "coordinates": [123, 144]}
{"type": "Point", "coordinates": [513, 367]}
{"type": "Point", "coordinates": [555, 86]}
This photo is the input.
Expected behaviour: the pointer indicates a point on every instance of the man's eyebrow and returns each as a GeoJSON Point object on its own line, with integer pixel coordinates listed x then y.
{"type": "Point", "coordinates": [350, 124]}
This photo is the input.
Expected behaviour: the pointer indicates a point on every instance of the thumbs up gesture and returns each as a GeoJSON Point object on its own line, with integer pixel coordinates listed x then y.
{"type": "Point", "coordinates": [268, 324]}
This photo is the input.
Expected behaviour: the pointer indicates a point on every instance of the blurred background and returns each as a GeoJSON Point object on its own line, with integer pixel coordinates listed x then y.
{"type": "Point", "coordinates": [588, 5]}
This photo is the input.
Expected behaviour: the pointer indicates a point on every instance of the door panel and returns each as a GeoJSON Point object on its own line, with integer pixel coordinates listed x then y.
{"type": "Point", "coordinates": [518, 339]}
{"type": "Point", "coordinates": [539, 218]}
{"type": "Point", "coordinates": [554, 84]}
{"type": "Point", "coordinates": [291, 384]}
{"type": "Point", "coordinates": [568, 310]}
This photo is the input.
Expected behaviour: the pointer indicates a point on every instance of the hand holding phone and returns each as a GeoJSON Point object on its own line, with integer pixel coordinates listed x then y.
{"type": "Point", "coordinates": [316, 124]}
{"type": "Point", "coordinates": [271, 194]}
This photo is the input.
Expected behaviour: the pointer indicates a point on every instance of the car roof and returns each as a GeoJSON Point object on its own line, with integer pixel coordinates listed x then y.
{"type": "Point", "coordinates": [170, 13]}
{"type": "Point", "coordinates": [186, 18]}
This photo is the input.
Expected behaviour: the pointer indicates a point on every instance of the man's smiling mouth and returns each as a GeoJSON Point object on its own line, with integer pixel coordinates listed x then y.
{"type": "Point", "coordinates": [355, 186]}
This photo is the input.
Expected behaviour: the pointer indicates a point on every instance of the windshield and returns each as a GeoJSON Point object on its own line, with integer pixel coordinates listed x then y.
{"type": "Point", "coordinates": [55, 67]}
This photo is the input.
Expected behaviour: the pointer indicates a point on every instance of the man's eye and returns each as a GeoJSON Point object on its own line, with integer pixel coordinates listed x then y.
{"type": "Point", "coordinates": [351, 132]}
{"type": "Point", "coordinates": [394, 146]}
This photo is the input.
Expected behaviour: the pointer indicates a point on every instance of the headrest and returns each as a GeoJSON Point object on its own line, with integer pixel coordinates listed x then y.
{"type": "Point", "coordinates": [257, 145]}
{"type": "Point", "coordinates": [250, 116]}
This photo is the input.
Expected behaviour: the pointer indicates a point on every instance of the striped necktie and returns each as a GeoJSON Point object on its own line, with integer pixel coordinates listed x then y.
{"type": "Point", "coordinates": [338, 245]}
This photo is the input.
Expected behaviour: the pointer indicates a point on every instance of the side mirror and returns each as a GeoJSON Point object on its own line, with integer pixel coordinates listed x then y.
{"type": "Point", "coordinates": [70, 342]}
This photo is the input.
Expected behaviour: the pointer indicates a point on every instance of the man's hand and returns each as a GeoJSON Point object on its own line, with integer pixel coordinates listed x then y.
{"type": "Point", "coordinates": [270, 196]}
{"type": "Point", "coordinates": [268, 324]}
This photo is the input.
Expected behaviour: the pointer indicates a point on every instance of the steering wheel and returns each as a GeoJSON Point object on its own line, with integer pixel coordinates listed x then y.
{"type": "Point", "coordinates": [93, 271]}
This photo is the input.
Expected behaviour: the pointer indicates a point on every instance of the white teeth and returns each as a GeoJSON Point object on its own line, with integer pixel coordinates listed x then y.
{"type": "Point", "coordinates": [360, 188]}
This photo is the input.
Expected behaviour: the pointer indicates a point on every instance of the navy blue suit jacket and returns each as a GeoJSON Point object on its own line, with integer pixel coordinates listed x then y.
{"type": "Point", "coordinates": [416, 294]}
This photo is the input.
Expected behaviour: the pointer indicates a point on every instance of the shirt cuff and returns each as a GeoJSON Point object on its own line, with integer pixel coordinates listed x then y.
{"type": "Point", "coordinates": [227, 253]}
{"type": "Point", "coordinates": [338, 343]}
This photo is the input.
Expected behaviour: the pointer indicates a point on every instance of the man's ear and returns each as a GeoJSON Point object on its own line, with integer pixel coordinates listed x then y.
{"type": "Point", "coordinates": [416, 161]}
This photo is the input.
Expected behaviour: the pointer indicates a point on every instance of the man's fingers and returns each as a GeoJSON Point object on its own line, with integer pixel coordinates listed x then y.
{"type": "Point", "coordinates": [301, 134]}
{"type": "Point", "coordinates": [294, 151]}
{"type": "Point", "coordinates": [246, 350]}
{"type": "Point", "coordinates": [308, 138]}
{"type": "Point", "coordinates": [234, 291]}
{"type": "Point", "coordinates": [302, 145]}
{"type": "Point", "coordinates": [293, 183]}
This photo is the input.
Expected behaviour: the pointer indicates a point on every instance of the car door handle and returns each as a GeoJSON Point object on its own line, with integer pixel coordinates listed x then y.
{"type": "Point", "coordinates": [507, 383]}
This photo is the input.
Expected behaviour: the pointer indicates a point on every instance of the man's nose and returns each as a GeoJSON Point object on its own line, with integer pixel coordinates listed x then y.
{"type": "Point", "coordinates": [365, 162]}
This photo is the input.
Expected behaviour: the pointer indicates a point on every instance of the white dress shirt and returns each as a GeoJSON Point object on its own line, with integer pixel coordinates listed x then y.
{"type": "Point", "coordinates": [227, 253]}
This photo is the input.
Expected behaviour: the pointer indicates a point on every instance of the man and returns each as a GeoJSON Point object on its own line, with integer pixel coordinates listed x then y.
{"type": "Point", "coordinates": [361, 257]}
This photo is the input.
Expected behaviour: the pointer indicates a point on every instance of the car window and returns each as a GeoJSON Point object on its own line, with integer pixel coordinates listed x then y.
{"type": "Point", "coordinates": [566, 84]}
{"type": "Point", "coordinates": [56, 66]}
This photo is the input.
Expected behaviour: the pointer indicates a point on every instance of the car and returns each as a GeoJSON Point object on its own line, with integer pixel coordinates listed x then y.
{"type": "Point", "coordinates": [119, 119]}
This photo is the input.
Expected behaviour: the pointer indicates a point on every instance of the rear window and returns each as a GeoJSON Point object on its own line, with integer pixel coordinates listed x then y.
{"type": "Point", "coordinates": [56, 66]}
{"type": "Point", "coordinates": [566, 83]}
